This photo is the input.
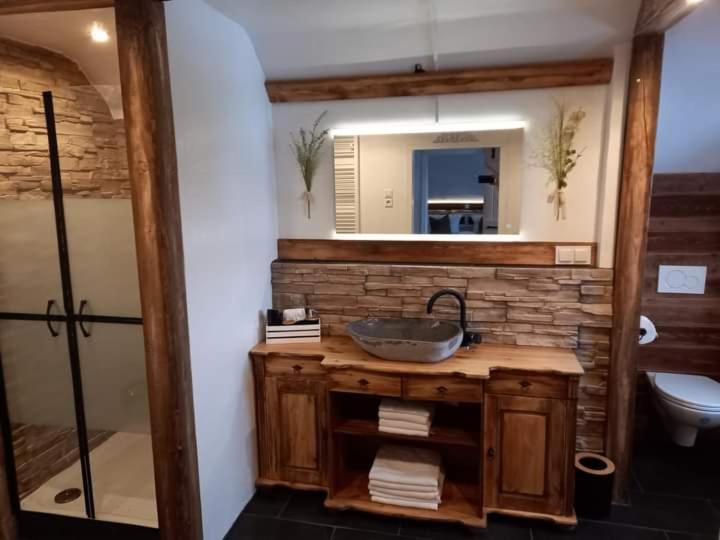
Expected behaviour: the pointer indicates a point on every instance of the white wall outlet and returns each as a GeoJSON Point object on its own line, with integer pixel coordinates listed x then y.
{"type": "Point", "coordinates": [681, 279]}
{"type": "Point", "coordinates": [564, 255]}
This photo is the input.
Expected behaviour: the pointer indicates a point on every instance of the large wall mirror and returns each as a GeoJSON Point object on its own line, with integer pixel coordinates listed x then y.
{"type": "Point", "coordinates": [455, 182]}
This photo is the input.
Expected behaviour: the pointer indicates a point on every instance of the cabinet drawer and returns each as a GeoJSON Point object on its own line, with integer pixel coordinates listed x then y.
{"type": "Point", "coordinates": [289, 365]}
{"type": "Point", "coordinates": [362, 382]}
{"type": "Point", "coordinates": [443, 389]}
{"type": "Point", "coordinates": [527, 384]}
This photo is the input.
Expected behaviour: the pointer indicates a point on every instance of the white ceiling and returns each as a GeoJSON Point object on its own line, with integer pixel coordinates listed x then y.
{"type": "Point", "coordinates": [318, 38]}
{"type": "Point", "coordinates": [67, 32]}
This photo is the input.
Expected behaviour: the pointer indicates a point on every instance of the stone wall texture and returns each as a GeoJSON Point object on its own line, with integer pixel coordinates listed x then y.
{"type": "Point", "coordinates": [548, 307]}
{"type": "Point", "coordinates": [93, 156]}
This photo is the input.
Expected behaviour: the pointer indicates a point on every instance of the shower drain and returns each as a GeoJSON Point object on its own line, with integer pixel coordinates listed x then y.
{"type": "Point", "coordinates": [68, 496]}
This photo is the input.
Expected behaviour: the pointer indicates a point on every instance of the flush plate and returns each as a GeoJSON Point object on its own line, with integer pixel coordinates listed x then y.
{"type": "Point", "coordinates": [681, 279]}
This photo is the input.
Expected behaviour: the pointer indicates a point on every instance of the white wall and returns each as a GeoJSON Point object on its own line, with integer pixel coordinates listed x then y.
{"type": "Point", "coordinates": [223, 131]}
{"type": "Point", "coordinates": [688, 138]}
{"type": "Point", "coordinates": [535, 107]}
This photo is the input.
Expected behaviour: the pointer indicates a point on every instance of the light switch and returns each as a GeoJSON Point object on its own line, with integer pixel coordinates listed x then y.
{"type": "Point", "coordinates": [681, 279]}
{"type": "Point", "coordinates": [389, 196]}
{"type": "Point", "coordinates": [564, 255]}
{"type": "Point", "coordinates": [582, 255]}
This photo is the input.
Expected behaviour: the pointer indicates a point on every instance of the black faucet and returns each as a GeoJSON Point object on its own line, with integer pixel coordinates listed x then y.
{"type": "Point", "coordinates": [468, 337]}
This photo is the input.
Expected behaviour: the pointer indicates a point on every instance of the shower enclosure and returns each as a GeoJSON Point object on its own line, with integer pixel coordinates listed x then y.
{"type": "Point", "coordinates": [73, 390]}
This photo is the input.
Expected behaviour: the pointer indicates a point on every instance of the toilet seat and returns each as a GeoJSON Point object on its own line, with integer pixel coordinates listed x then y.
{"type": "Point", "coordinates": [691, 391]}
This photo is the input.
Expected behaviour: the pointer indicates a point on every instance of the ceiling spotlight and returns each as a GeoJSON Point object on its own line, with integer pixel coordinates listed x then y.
{"type": "Point", "coordinates": [98, 33]}
{"type": "Point", "coordinates": [693, 2]}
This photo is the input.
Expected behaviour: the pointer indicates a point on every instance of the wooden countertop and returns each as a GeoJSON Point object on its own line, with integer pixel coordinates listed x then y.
{"type": "Point", "coordinates": [476, 363]}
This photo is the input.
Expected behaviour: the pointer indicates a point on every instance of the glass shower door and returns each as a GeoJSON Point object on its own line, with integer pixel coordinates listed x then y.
{"type": "Point", "coordinates": [104, 280]}
{"type": "Point", "coordinates": [71, 337]}
{"type": "Point", "coordinates": [44, 436]}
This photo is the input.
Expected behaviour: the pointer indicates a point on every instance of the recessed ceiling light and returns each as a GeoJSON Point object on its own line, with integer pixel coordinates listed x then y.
{"type": "Point", "coordinates": [98, 33]}
{"type": "Point", "coordinates": [693, 2]}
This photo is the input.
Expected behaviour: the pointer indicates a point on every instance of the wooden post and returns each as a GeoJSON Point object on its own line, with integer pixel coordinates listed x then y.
{"type": "Point", "coordinates": [142, 49]}
{"type": "Point", "coordinates": [8, 526]}
{"type": "Point", "coordinates": [635, 190]}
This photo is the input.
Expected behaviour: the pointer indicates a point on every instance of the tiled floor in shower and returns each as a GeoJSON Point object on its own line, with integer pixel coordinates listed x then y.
{"type": "Point", "coordinates": [123, 484]}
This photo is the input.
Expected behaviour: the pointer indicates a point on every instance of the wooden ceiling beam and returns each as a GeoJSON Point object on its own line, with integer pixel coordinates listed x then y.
{"type": "Point", "coordinates": [523, 77]}
{"type": "Point", "coordinates": [13, 7]}
{"type": "Point", "coordinates": [657, 16]}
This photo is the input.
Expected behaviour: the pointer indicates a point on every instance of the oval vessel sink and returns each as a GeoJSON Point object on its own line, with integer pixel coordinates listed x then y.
{"type": "Point", "coordinates": [408, 340]}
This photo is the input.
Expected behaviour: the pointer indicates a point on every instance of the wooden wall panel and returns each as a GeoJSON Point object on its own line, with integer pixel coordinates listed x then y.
{"type": "Point", "coordinates": [425, 252]}
{"type": "Point", "coordinates": [684, 230]}
{"type": "Point", "coordinates": [633, 214]}
{"type": "Point", "coordinates": [522, 77]}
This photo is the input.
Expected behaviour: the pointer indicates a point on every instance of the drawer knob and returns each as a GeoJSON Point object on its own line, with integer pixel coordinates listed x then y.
{"type": "Point", "coordinates": [297, 368]}
{"type": "Point", "coordinates": [364, 383]}
{"type": "Point", "coordinates": [442, 390]}
{"type": "Point", "coordinates": [525, 385]}
{"type": "Point", "coordinates": [491, 454]}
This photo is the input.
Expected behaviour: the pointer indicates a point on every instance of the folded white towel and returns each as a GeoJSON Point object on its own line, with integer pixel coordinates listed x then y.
{"type": "Point", "coordinates": [402, 417]}
{"type": "Point", "coordinates": [406, 492]}
{"type": "Point", "coordinates": [423, 497]}
{"type": "Point", "coordinates": [397, 424]}
{"type": "Point", "coordinates": [409, 432]}
{"type": "Point", "coordinates": [404, 465]}
{"type": "Point", "coordinates": [407, 503]}
{"type": "Point", "coordinates": [381, 485]}
{"type": "Point", "coordinates": [423, 410]}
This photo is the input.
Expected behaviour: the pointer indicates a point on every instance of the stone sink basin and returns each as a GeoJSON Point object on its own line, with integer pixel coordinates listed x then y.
{"type": "Point", "coordinates": [407, 340]}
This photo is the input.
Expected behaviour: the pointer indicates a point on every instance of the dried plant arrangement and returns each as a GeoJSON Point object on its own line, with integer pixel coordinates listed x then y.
{"type": "Point", "coordinates": [557, 154]}
{"type": "Point", "coordinates": [306, 146]}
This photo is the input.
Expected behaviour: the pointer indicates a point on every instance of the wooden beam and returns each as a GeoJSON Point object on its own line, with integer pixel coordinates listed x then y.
{"type": "Point", "coordinates": [424, 252]}
{"type": "Point", "coordinates": [657, 16]}
{"type": "Point", "coordinates": [142, 49]}
{"type": "Point", "coordinates": [13, 7]}
{"type": "Point", "coordinates": [523, 77]}
{"type": "Point", "coordinates": [633, 215]}
{"type": "Point", "coordinates": [8, 524]}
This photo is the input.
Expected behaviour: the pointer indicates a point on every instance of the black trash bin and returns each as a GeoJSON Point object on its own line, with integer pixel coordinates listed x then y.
{"type": "Point", "coordinates": [594, 476]}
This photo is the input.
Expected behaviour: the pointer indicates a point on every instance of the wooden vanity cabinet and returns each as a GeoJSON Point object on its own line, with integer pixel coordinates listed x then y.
{"type": "Point", "coordinates": [529, 445]}
{"type": "Point", "coordinates": [291, 405]}
{"type": "Point", "coordinates": [505, 425]}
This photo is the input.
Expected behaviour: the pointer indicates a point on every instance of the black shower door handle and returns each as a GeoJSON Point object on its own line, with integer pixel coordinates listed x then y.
{"type": "Point", "coordinates": [48, 321]}
{"type": "Point", "coordinates": [85, 331]}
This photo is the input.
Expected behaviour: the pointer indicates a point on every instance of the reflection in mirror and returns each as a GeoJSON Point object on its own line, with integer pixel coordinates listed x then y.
{"type": "Point", "coordinates": [458, 183]}
{"type": "Point", "coordinates": [456, 191]}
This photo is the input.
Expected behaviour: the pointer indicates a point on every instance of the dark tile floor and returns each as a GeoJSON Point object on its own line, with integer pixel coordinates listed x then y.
{"type": "Point", "coordinates": [675, 496]}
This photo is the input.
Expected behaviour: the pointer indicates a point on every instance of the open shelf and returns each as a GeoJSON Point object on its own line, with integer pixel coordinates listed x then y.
{"type": "Point", "coordinates": [460, 501]}
{"type": "Point", "coordinates": [438, 434]}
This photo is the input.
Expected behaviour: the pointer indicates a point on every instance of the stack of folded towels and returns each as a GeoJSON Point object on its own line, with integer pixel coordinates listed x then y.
{"type": "Point", "coordinates": [405, 418]}
{"type": "Point", "coordinates": [410, 477]}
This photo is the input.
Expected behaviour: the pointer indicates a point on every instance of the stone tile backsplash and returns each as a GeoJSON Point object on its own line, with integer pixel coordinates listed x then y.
{"type": "Point", "coordinates": [549, 307]}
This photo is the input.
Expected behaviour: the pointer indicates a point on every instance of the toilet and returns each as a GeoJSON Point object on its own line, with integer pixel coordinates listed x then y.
{"type": "Point", "coordinates": [687, 404]}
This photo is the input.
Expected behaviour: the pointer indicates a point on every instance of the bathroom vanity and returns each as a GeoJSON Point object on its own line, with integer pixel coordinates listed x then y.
{"type": "Point", "coordinates": [504, 425]}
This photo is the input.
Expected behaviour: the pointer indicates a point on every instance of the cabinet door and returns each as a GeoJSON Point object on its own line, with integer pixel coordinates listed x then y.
{"type": "Point", "coordinates": [296, 413]}
{"type": "Point", "coordinates": [525, 454]}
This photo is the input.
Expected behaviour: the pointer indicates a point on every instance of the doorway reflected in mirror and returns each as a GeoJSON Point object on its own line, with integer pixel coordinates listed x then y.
{"type": "Point", "coordinates": [455, 191]}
